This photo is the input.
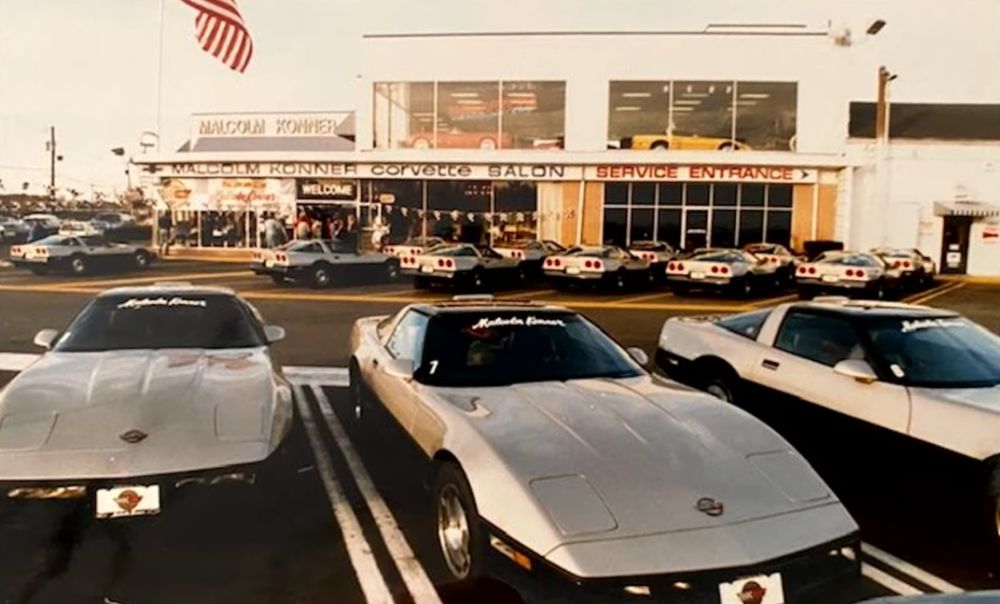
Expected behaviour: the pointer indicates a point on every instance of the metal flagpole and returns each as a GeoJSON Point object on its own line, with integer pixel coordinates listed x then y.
{"type": "Point", "coordinates": [159, 82]}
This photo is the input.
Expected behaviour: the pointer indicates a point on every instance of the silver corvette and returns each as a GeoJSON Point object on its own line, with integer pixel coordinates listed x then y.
{"type": "Point", "coordinates": [556, 455]}
{"type": "Point", "coordinates": [78, 255]}
{"type": "Point", "coordinates": [148, 391]}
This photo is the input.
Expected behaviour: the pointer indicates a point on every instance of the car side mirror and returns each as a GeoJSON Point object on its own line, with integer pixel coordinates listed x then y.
{"type": "Point", "coordinates": [46, 337]}
{"type": "Point", "coordinates": [638, 355]}
{"type": "Point", "coordinates": [399, 368]}
{"type": "Point", "coordinates": [274, 333]}
{"type": "Point", "coordinates": [858, 370]}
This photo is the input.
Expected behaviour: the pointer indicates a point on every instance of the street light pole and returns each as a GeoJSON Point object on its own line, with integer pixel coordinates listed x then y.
{"type": "Point", "coordinates": [52, 162]}
{"type": "Point", "coordinates": [882, 184]}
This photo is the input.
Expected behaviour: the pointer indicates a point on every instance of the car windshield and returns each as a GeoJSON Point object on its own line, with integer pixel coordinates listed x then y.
{"type": "Point", "coordinates": [491, 348]}
{"type": "Point", "coordinates": [943, 352]}
{"type": "Point", "coordinates": [584, 251]}
{"type": "Point", "coordinates": [649, 246]}
{"type": "Point", "coordinates": [763, 248]}
{"type": "Point", "coordinates": [161, 320]}
{"type": "Point", "coordinates": [54, 240]}
{"type": "Point", "coordinates": [460, 250]}
{"type": "Point", "coordinates": [723, 256]}
{"type": "Point", "coordinates": [850, 260]}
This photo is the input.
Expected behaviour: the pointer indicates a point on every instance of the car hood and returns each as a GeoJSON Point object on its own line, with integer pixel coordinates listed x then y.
{"type": "Point", "coordinates": [986, 398]}
{"type": "Point", "coordinates": [619, 458]}
{"type": "Point", "coordinates": [65, 416]}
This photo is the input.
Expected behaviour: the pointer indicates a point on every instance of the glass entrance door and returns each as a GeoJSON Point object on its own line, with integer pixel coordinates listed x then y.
{"type": "Point", "coordinates": [955, 244]}
{"type": "Point", "coordinates": [695, 229]}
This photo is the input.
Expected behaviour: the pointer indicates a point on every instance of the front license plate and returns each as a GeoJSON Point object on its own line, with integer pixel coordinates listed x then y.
{"type": "Point", "coordinates": [697, 275]}
{"type": "Point", "coordinates": [763, 589]}
{"type": "Point", "coordinates": [123, 502]}
{"type": "Point", "coordinates": [573, 270]}
{"type": "Point", "coordinates": [427, 269]}
{"type": "Point", "coordinates": [830, 278]}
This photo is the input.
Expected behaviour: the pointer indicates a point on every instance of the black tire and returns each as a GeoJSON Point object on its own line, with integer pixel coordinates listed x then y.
{"type": "Point", "coordinates": [619, 280]}
{"type": "Point", "coordinates": [742, 288]}
{"type": "Point", "coordinates": [361, 408]}
{"type": "Point", "coordinates": [142, 260]}
{"type": "Point", "coordinates": [78, 265]}
{"type": "Point", "coordinates": [660, 146]}
{"type": "Point", "coordinates": [477, 281]}
{"type": "Point", "coordinates": [720, 381]}
{"type": "Point", "coordinates": [391, 270]}
{"type": "Point", "coordinates": [451, 488]}
{"type": "Point", "coordinates": [321, 276]}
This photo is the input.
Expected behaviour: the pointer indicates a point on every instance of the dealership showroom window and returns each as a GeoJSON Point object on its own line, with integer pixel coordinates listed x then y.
{"type": "Point", "coordinates": [702, 115]}
{"type": "Point", "coordinates": [470, 115]}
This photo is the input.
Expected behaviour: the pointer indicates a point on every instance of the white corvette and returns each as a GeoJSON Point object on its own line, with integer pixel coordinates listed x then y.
{"type": "Point", "coordinates": [923, 380]}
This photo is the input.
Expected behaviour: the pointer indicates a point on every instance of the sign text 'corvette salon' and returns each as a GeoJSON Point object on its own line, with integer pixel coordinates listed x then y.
{"type": "Point", "coordinates": [431, 171]}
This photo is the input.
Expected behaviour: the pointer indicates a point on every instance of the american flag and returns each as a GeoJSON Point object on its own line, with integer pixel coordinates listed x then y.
{"type": "Point", "coordinates": [222, 33]}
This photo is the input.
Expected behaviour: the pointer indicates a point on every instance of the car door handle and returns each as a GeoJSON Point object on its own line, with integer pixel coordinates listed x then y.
{"type": "Point", "coordinates": [769, 364]}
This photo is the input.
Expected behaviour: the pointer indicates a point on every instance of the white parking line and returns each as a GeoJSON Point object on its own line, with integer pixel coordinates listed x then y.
{"type": "Point", "coordinates": [910, 570]}
{"type": "Point", "coordinates": [414, 576]}
{"type": "Point", "coordinates": [888, 581]}
{"type": "Point", "coordinates": [327, 376]}
{"type": "Point", "coordinates": [358, 549]}
{"type": "Point", "coordinates": [16, 361]}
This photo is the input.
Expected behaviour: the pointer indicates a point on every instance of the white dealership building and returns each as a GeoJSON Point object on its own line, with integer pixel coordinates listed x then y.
{"type": "Point", "coordinates": [754, 123]}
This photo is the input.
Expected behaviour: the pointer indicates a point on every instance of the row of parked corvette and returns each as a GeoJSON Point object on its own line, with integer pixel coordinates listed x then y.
{"type": "Point", "coordinates": [738, 272]}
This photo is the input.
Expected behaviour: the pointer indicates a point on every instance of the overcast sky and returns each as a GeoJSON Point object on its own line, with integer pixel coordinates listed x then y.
{"type": "Point", "coordinates": [89, 67]}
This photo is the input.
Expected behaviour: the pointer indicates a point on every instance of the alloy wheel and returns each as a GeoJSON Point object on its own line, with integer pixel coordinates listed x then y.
{"type": "Point", "coordinates": [453, 532]}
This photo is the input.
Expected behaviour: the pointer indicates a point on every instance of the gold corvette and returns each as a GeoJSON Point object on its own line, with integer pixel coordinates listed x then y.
{"type": "Point", "coordinates": [663, 142]}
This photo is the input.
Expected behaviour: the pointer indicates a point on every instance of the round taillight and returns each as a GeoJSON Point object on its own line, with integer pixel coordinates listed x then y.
{"type": "Point", "coordinates": [670, 266]}
{"type": "Point", "coordinates": [598, 265]}
{"type": "Point", "coordinates": [588, 264]}
{"type": "Point", "coordinates": [850, 272]}
{"type": "Point", "coordinates": [413, 252]}
{"type": "Point", "coordinates": [715, 269]}
{"type": "Point", "coordinates": [548, 262]}
{"type": "Point", "coordinates": [680, 266]}
{"type": "Point", "coordinates": [812, 271]}
{"type": "Point", "coordinates": [724, 270]}
{"type": "Point", "coordinates": [859, 273]}
{"type": "Point", "coordinates": [802, 270]}
{"type": "Point", "coordinates": [906, 264]}
{"type": "Point", "coordinates": [441, 262]}
{"type": "Point", "coordinates": [774, 260]}
{"type": "Point", "coordinates": [558, 262]}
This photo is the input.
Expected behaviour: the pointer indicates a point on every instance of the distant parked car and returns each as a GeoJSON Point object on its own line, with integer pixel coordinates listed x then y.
{"type": "Point", "coordinates": [732, 271]}
{"type": "Point", "coordinates": [50, 222]}
{"type": "Point", "coordinates": [848, 273]}
{"type": "Point", "coordinates": [78, 255]}
{"type": "Point", "coordinates": [111, 220]}
{"type": "Point", "coordinates": [530, 252]}
{"type": "Point", "coordinates": [909, 264]}
{"type": "Point", "coordinates": [78, 227]}
{"type": "Point", "coordinates": [778, 255]}
{"type": "Point", "coordinates": [462, 265]}
{"type": "Point", "coordinates": [656, 253]}
{"type": "Point", "coordinates": [321, 263]}
{"type": "Point", "coordinates": [459, 140]}
{"type": "Point", "coordinates": [662, 142]}
{"type": "Point", "coordinates": [609, 266]}
{"type": "Point", "coordinates": [12, 229]}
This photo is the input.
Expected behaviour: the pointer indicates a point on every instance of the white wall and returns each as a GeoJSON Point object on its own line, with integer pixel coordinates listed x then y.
{"type": "Point", "coordinates": [942, 51]}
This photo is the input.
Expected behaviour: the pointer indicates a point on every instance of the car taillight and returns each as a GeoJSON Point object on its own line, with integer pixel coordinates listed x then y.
{"type": "Point", "coordinates": [802, 270]}
{"type": "Point", "coordinates": [906, 265]}
{"type": "Point", "coordinates": [588, 264]}
{"type": "Point", "coordinates": [598, 265]}
{"type": "Point", "coordinates": [812, 271]}
{"type": "Point", "coordinates": [557, 262]}
{"type": "Point", "coordinates": [680, 266]}
{"type": "Point", "coordinates": [774, 260]}
{"type": "Point", "coordinates": [413, 252]}
{"type": "Point", "coordinates": [859, 273]}
{"type": "Point", "coordinates": [724, 270]}
{"type": "Point", "coordinates": [441, 262]}
{"type": "Point", "coordinates": [715, 269]}
{"type": "Point", "coordinates": [42, 251]}
{"type": "Point", "coordinates": [850, 272]}
{"type": "Point", "coordinates": [390, 250]}
{"type": "Point", "coordinates": [671, 266]}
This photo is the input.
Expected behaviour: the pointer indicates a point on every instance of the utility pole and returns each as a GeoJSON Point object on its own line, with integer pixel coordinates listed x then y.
{"type": "Point", "coordinates": [52, 162]}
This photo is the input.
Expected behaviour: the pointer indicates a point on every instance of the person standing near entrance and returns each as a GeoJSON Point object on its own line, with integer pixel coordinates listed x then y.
{"type": "Point", "coordinates": [274, 233]}
{"type": "Point", "coordinates": [302, 228]}
{"type": "Point", "coordinates": [166, 226]}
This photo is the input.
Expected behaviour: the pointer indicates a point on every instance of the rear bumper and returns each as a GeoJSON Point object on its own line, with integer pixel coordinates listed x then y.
{"type": "Point", "coordinates": [582, 276]}
{"type": "Point", "coordinates": [442, 275]}
{"type": "Point", "coordinates": [707, 282]}
{"type": "Point", "coordinates": [817, 284]}
{"type": "Point", "coordinates": [807, 575]}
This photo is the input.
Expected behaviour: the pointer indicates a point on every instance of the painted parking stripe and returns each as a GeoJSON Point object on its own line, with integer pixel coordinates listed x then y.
{"type": "Point", "coordinates": [413, 574]}
{"type": "Point", "coordinates": [910, 570]}
{"type": "Point", "coordinates": [532, 295]}
{"type": "Point", "coordinates": [888, 581]}
{"type": "Point", "coordinates": [326, 376]}
{"type": "Point", "coordinates": [642, 298]}
{"type": "Point", "coordinates": [938, 293]}
{"type": "Point", "coordinates": [164, 278]}
{"type": "Point", "coordinates": [359, 551]}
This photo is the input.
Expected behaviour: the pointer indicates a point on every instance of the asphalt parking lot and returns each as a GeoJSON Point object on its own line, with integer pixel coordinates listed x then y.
{"type": "Point", "coordinates": [349, 520]}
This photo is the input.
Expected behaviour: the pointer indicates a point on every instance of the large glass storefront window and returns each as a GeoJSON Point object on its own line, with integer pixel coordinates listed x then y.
{"type": "Point", "coordinates": [515, 211]}
{"type": "Point", "coordinates": [702, 115]}
{"type": "Point", "coordinates": [404, 114]}
{"type": "Point", "coordinates": [766, 114]}
{"type": "Point", "coordinates": [469, 115]}
{"type": "Point", "coordinates": [693, 215]}
{"type": "Point", "coordinates": [396, 206]}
